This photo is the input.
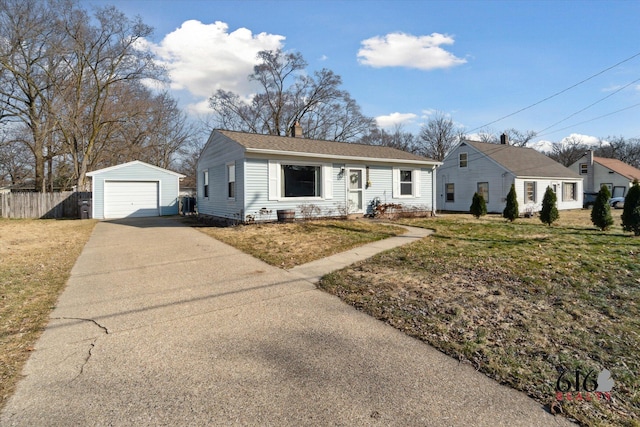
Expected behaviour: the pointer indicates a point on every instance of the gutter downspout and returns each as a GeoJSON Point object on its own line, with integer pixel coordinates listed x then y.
{"type": "Point", "coordinates": [434, 188]}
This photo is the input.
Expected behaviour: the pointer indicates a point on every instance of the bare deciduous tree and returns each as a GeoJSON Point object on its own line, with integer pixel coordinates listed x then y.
{"type": "Point", "coordinates": [398, 138]}
{"type": "Point", "coordinates": [438, 136]}
{"type": "Point", "coordinates": [568, 151]}
{"type": "Point", "coordinates": [72, 88]}
{"type": "Point", "coordinates": [99, 59]}
{"type": "Point", "coordinates": [28, 69]}
{"type": "Point", "coordinates": [625, 150]}
{"type": "Point", "coordinates": [519, 138]}
{"type": "Point", "coordinates": [288, 95]}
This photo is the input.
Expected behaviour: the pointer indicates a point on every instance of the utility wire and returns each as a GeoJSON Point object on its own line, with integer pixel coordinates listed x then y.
{"type": "Point", "coordinates": [558, 93]}
{"type": "Point", "coordinates": [587, 107]}
{"type": "Point", "coordinates": [593, 119]}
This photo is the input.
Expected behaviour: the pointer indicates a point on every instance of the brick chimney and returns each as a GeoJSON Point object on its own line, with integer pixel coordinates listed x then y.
{"type": "Point", "coordinates": [504, 139]}
{"type": "Point", "coordinates": [296, 130]}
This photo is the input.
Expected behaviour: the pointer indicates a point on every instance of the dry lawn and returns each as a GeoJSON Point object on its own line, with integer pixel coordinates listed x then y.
{"type": "Point", "coordinates": [286, 245]}
{"type": "Point", "coordinates": [520, 302]}
{"type": "Point", "coordinates": [36, 257]}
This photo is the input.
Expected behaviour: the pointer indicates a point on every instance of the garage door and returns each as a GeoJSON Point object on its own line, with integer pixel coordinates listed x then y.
{"type": "Point", "coordinates": [130, 199]}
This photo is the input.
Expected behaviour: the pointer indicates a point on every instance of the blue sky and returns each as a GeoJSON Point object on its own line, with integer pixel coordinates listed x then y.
{"type": "Point", "coordinates": [476, 61]}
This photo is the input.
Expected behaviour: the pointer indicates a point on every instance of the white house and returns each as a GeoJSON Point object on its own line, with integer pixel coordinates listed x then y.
{"type": "Point", "coordinates": [598, 171]}
{"type": "Point", "coordinates": [244, 177]}
{"type": "Point", "coordinates": [491, 169]}
{"type": "Point", "coordinates": [134, 189]}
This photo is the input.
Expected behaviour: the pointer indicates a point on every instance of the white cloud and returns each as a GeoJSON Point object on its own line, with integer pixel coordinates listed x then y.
{"type": "Point", "coordinates": [323, 58]}
{"type": "Point", "coordinates": [589, 140]}
{"type": "Point", "coordinates": [202, 58]}
{"type": "Point", "coordinates": [395, 119]}
{"type": "Point", "coordinates": [406, 50]}
{"type": "Point", "coordinates": [546, 146]}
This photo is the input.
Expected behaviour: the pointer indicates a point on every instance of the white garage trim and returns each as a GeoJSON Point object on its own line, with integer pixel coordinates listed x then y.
{"type": "Point", "coordinates": [126, 199]}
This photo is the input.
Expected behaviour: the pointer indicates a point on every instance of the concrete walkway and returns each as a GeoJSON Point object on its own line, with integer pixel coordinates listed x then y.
{"type": "Point", "coordinates": [163, 325]}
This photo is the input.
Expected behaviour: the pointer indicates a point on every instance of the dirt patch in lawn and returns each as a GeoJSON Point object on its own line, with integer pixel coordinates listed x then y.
{"type": "Point", "coordinates": [36, 257]}
{"type": "Point", "coordinates": [286, 245]}
{"type": "Point", "coordinates": [521, 302]}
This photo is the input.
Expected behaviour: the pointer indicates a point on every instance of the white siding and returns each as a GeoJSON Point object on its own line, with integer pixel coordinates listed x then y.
{"type": "Point", "coordinates": [481, 168]}
{"type": "Point", "coordinates": [137, 171]}
{"type": "Point", "coordinates": [257, 183]}
{"type": "Point", "coordinates": [219, 152]}
{"type": "Point", "coordinates": [602, 175]}
{"type": "Point", "coordinates": [597, 175]}
{"type": "Point", "coordinates": [541, 187]}
{"type": "Point", "coordinates": [259, 174]}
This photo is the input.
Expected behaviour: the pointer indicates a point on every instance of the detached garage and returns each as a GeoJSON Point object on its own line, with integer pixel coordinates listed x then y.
{"type": "Point", "coordinates": [134, 189]}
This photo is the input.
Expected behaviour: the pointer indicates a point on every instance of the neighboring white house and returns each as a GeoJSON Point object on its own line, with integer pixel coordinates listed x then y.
{"type": "Point", "coordinates": [244, 176]}
{"type": "Point", "coordinates": [490, 169]}
{"type": "Point", "coordinates": [134, 189]}
{"type": "Point", "coordinates": [599, 171]}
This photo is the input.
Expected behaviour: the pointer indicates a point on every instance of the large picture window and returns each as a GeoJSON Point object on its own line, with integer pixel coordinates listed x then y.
{"type": "Point", "coordinates": [300, 181]}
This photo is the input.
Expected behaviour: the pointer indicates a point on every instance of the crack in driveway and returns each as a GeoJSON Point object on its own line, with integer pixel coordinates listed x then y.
{"type": "Point", "coordinates": [91, 345]}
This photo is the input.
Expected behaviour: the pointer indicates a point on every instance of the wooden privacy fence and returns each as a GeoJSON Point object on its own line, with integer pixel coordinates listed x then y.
{"type": "Point", "coordinates": [64, 204]}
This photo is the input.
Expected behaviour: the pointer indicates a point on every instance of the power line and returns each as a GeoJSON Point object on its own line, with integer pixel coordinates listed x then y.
{"type": "Point", "coordinates": [593, 119]}
{"type": "Point", "coordinates": [587, 107]}
{"type": "Point", "coordinates": [558, 93]}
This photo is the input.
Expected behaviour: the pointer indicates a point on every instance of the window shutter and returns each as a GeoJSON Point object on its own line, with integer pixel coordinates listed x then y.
{"type": "Point", "coordinates": [327, 184]}
{"type": "Point", "coordinates": [274, 169]}
{"type": "Point", "coordinates": [396, 183]}
{"type": "Point", "coordinates": [416, 182]}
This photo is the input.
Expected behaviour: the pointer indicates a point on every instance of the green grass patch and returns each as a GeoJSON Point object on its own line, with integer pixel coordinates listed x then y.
{"type": "Point", "coordinates": [519, 301]}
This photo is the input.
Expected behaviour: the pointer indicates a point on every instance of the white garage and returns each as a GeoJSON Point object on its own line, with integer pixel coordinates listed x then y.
{"type": "Point", "coordinates": [124, 199]}
{"type": "Point", "coordinates": [134, 189]}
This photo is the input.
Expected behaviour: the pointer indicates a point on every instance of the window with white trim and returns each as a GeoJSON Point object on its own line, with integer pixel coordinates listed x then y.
{"type": "Point", "coordinates": [530, 192]}
{"type": "Point", "coordinates": [231, 180]}
{"type": "Point", "coordinates": [568, 191]}
{"type": "Point", "coordinates": [300, 181]}
{"type": "Point", "coordinates": [450, 190]}
{"type": "Point", "coordinates": [205, 183]}
{"type": "Point", "coordinates": [483, 190]}
{"type": "Point", "coordinates": [406, 182]}
{"type": "Point", "coordinates": [463, 159]}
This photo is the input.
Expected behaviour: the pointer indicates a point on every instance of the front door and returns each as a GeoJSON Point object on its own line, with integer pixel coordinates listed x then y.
{"type": "Point", "coordinates": [355, 195]}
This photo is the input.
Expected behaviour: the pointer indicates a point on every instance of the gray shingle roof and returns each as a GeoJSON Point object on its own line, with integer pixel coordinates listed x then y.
{"type": "Point", "coordinates": [314, 146]}
{"type": "Point", "coordinates": [523, 161]}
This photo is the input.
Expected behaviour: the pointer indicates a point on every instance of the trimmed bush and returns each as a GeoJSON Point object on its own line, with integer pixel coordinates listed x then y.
{"type": "Point", "coordinates": [631, 212]}
{"type": "Point", "coordinates": [478, 206]}
{"type": "Point", "coordinates": [511, 211]}
{"type": "Point", "coordinates": [601, 211]}
{"type": "Point", "coordinates": [549, 213]}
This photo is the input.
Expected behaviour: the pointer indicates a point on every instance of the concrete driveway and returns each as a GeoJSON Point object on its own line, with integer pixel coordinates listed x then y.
{"type": "Point", "coordinates": [163, 325]}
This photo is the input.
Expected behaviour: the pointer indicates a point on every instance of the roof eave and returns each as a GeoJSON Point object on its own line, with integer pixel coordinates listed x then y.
{"type": "Point", "coordinates": [341, 157]}
{"type": "Point", "coordinates": [548, 177]}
